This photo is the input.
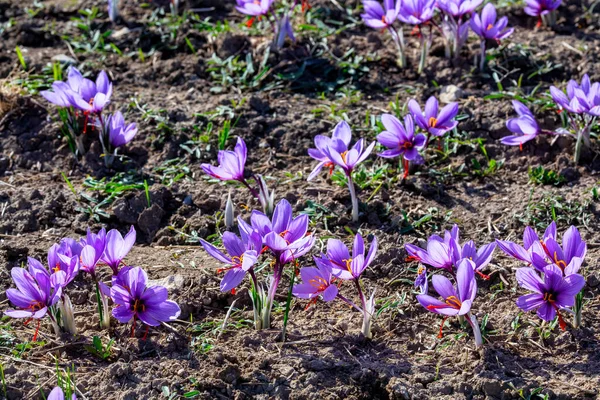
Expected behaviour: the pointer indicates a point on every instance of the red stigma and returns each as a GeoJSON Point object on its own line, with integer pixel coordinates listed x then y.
{"type": "Point", "coordinates": [250, 22]}
{"type": "Point", "coordinates": [484, 276]}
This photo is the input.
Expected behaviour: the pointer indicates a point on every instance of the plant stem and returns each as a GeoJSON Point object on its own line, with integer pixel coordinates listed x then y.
{"type": "Point", "coordinates": [353, 197]}
{"type": "Point", "coordinates": [349, 302]}
{"type": "Point", "coordinates": [577, 310]}
{"type": "Point", "coordinates": [398, 39]}
{"type": "Point", "coordinates": [482, 60]}
{"type": "Point", "coordinates": [476, 331]}
{"type": "Point", "coordinates": [288, 304]}
{"type": "Point", "coordinates": [250, 188]}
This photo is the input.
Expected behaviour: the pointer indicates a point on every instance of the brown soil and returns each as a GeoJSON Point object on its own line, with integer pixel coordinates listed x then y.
{"type": "Point", "coordinates": [324, 356]}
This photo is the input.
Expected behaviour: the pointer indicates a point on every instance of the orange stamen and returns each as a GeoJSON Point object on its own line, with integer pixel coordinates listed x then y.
{"type": "Point", "coordinates": [433, 122]}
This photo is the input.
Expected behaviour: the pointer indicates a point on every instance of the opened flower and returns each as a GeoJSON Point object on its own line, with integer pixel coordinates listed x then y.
{"type": "Point", "coordinates": [345, 266]}
{"type": "Point", "coordinates": [525, 127]}
{"type": "Point", "coordinates": [81, 93]}
{"type": "Point", "coordinates": [254, 7]}
{"type": "Point", "coordinates": [455, 300]}
{"type": "Point", "coordinates": [135, 300]}
{"type": "Point", "coordinates": [240, 258]}
{"type": "Point", "coordinates": [433, 120]}
{"type": "Point", "coordinates": [458, 8]}
{"type": "Point", "coordinates": [487, 28]}
{"type": "Point", "coordinates": [316, 281]}
{"type": "Point", "coordinates": [334, 151]}
{"type": "Point", "coordinates": [378, 17]}
{"type": "Point", "coordinates": [401, 140]}
{"type": "Point", "coordinates": [551, 294]}
{"type": "Point", "coordinates": [580, 98]}
{"type": "Point", "coordinates": [537, 8]}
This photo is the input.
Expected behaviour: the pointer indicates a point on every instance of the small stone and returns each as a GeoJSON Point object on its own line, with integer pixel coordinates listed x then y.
{"type": "Point", "coordinates": [121, 33]}
{"type": "Point", "coordinates": [450, 93]}
{"type": "Point", "coordinates": [173, 283]}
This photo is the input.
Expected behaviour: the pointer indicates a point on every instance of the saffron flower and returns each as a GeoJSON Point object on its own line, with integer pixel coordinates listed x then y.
{"type": "Point", "coordinates": [583, 105]}
{"type": "Point", "coordinates": [525, 127]}
{"type": "Point", "coordinates": [447, 253]}
{"type": "Point", "coordinates": [349, 267]}
{"type": "Point", "coordinates": [419, 13]}
{"type": "Point", "coordinates": [317, 281]}
{"type": "Point", "coordinates": [284, 29]}
{"type": "Point", "coordinates": [34, 296]}
{"type": "Point", "coordinates": [240, 258]}
{"type": "Point", "coordinates": [550, 294]}
{"type": "Point", "coordinates": [487, 28]}
{"type": "Point", "coordinates": [421, 282]}
{"type": "Point", "coordinates": [454, 29]}
{"type": "Point", "coordinates": [401, 140]}
{"type": "Point", "coordinates": [135, 300]}
{"type": "Point", "coordinates": [340, 139]}
{"type": "Point", "coordinates": [458, 8]}
{"type": "Point", "coordinates": [544, 10]}
{"type": "Point", "coordinates": [58, 394]}
{"type": "Point", "coordinates": [231, 164]}
{"type": "Point", "coordinates": [378, 17]}
{"type": "Point", "coordinates": [334, 151]}
{"type": "Point", "coordinates": [433, 120]}
{"type": "Point", "coordinates": [287, 238]}
{"type": "Point", "coordinates": [457, 301]}
{"type": "Point", "coordinates": [117, 248]}
{"type": "Point", "coordinates": [416, 12]}
{"type": "Point", "coordinates": [120, 133]}
{"type": "Point", "coordinates": [254, 8]}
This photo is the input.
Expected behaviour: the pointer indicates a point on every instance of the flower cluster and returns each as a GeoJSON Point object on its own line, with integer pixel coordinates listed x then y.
{"type": "Point", "coordinates": [259, 9]}
{"type": "Point", "coordinates": [554, 278]}
{"type": "Point", "coordinates": [283, 239]}
{"type": "Point", "coordinates": [82, 103]}
{"type": "Point", "coordinates": [402, 140]}
{"type": "Point", "coordinates": [41, 290]}
{"type": "Point", "coordinates": [579, 106]}
{"type": "Point", "coordinates": [335, 267]}
{"type": "Point", "coordinates": [462, 262]}
{"type": "Point", "coordinates": [451, 20]}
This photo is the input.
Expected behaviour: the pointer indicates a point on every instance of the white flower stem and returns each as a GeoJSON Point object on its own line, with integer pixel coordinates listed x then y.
{"type": "Point", "coordinates": [353, 198]}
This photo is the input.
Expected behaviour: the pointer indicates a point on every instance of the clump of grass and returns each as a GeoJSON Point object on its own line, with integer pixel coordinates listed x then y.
{"type": "Point", "coordinates": [543, 176]}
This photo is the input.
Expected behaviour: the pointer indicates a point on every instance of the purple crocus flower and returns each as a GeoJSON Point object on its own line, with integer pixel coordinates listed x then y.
{"type": "Point", "coordinates": [334, 151]}
{"type": "Point", "coordinates": [525, 127]}
{"type": "Point", "coordinates": [456, 301]}
{"type": "Point", "coordinates": [551, 293]}
{"type": "Point", "coordinates": [486, 27]}
{"type": "Point", "coordinates": [284, 29]}
{"type": "Point", "coordinates": [378, 17]}
{"type": "Point", "coordinates": [231, 163]}
{"type": "Point", "coordinates": [285, 236]}
{"type": "Point", "coordinates": [117, 248]}
{"type": "Point", "coordinates": [316, 281]}
{"type": "Point", "coordinates": [34, 294]}
{"type": "Point", "coordinates": [135, 300]}
{"type": "Point", "coordinates": [416, 12]}
{"type": "Point", "coordinates": [584, 98]}
{"type": "Point", "coordinates": [240, 258]}
{"type": "Point", "coordinates": [343, 157]}
{"type": "Point", "coordinates": [344, 266]}
{"type": "Point", "coordinates": [458, 8]}
{"type": "Point", "coordinates": [541, 252]}
{"type": "Point", "coordinates": [119, 133]}
{"type": "Point", "coordinates": [438, 254]}
{"type": "Point", "coordinates": [537, 8]}
{"type": "Point", "coordinates": [58, 394]}
{"type": "Point", "coordinates": [80, 92]}
{"type": "Point", "coordinates": [421, 282]}
{"type": "Point", "coordinates": [254, 7]}
{"type": "Point", "coordinates": [340, 140]}
{"type": "Point", "coordinates": [401, 139]}
{"type": "Point", "coordinates": [434, 121]}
